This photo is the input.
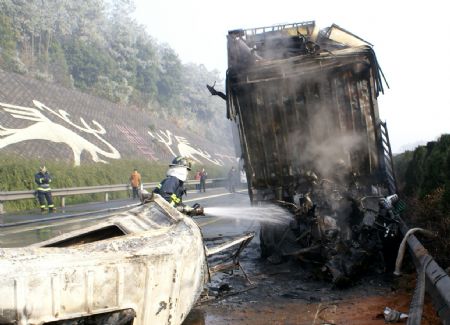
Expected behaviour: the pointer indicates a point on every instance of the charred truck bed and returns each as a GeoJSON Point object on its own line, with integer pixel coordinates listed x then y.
{"type": "Point", "coordinates": [305, 105]}
{"type": "Point", "coordinates": [297, 108]}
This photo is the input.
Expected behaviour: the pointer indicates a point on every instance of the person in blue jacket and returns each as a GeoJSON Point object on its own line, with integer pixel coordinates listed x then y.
{"type": "Point", "coordinates": [44, 192]}
{"type": "Point", "coordinates": [172, 187]}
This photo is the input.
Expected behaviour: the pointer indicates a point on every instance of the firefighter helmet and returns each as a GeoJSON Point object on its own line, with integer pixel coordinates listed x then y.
{"type": "Point", "coordinates": [181, 162]}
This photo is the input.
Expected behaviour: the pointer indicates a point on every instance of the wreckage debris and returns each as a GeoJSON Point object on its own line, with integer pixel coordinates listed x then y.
{"type": "Point", "coordinates": [337, 229]}
{"type": "Point", "coordinates": [393, 316]}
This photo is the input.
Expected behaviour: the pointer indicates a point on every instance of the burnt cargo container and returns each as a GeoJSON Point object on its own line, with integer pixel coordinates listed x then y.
{"type": "Point", "coordinates": [304, 101]}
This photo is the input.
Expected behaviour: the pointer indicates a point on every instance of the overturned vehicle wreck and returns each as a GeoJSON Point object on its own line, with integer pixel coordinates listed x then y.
{"type": "Point", "coordinates": [304, 102]}
{"type": "Point", "coordinates": [146, 265]}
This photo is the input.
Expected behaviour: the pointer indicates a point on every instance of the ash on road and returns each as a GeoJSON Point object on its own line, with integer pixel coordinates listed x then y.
{"type": "Point", "coordinates": [290, 293]}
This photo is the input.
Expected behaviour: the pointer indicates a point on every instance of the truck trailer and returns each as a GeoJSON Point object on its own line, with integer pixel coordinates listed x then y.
{"type": "Point", "coordinates": [304, 103]}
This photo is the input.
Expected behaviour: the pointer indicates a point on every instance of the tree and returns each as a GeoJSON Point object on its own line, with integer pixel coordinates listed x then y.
{"type": "Point", "coordinates": [7, 42]}
{"type": "Point", "coordinates": [146, 67]}
{"type": "Point", "coordinates": [86, 63]}
{"type": "Point", "coordinates": [98, 47]}
{"type": "Point", "coordinates": [169, 82]}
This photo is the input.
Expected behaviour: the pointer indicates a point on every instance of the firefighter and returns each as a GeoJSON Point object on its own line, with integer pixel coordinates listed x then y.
{"type": "Point", "coordinates": [172, 187]}
{"type": "Point", "coordinates": [44, 192]}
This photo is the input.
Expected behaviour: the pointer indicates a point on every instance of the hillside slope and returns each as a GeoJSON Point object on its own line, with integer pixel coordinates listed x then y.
{"type": "Point", "coordinates": [44, 121]}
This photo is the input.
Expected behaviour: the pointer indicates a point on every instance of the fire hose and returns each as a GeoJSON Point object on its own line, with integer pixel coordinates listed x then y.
{"type": "Point", "coordinates": [195, 210]}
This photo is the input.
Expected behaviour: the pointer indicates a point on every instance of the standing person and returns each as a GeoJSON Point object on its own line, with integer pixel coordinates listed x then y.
{"type": "Point", "coordinates": [197, 178]}
{"type": "Point", "coordinates": [232, 180]}
{"type": "Point", "coordinates": [44, 192]}
{"type": "Point", "coordinates": [135, 181]}
{"type": "Point", "coordinates": [203, 176]}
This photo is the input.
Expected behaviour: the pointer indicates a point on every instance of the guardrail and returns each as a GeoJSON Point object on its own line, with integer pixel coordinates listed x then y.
{"type": "Point", "coordinates": [431, 277]}
{"type": "Point", "coordinates": [63, 192]}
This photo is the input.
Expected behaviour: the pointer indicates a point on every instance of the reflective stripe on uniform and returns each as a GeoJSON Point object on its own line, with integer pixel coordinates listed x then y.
{"type": "Point", "coordinates": [175, 199]}
{"type": "Point", "coordinates": [44, 189]}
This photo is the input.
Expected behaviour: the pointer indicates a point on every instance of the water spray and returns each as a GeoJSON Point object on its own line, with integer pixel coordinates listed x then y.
{"type": "Point", "coordinates": [264, 214]}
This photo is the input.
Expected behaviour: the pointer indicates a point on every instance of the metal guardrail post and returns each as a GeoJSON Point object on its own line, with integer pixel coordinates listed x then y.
{"type": "Point", "coordinates": [63, 201]}
{"type": "Point", "coordinates": [2, 212]}
{"type": "Point", "coordinates": [106, 197]}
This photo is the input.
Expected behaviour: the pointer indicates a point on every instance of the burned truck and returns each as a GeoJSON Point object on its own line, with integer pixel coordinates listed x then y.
{"type": "Point", "coordinates": [304, 101]}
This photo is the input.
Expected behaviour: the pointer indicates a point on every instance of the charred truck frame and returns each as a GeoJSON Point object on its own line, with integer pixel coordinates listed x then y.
{"type": "Point", "coordinates": [305, 104]}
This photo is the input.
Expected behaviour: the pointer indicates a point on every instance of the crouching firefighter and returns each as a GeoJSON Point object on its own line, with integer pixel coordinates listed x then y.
{"type": "Point", "coordinates": [172, 187]}
{"type": "Point", "coordinates": [44, 192]}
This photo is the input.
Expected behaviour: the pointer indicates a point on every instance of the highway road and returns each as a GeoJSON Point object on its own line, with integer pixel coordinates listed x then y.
{"type": "Point", "coordinates": [25, 229]}
{"type": "Point", "coordinates": [272, 294]}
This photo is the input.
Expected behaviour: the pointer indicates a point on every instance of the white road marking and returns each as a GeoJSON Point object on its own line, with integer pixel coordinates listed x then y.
{"type": "Point", "coordinates": [211, 196]}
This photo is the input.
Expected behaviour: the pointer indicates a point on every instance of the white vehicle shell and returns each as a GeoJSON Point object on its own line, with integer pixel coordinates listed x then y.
{"type": "Point", "coordinates": [152, 262]}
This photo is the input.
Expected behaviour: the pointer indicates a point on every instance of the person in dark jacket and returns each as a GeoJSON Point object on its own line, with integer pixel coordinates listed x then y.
{"type": "Point", "coordinates": [44, 192]}
{"type": "Point", "coordinates": [232, 180]}
{"type": "Point", "coordinates": [172, 187]}
{"type": "Point", "coordinates": [203, 176]}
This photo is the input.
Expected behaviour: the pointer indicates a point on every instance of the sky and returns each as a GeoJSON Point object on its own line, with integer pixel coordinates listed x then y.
{"type": "Point", "coordinates": [410, 40]}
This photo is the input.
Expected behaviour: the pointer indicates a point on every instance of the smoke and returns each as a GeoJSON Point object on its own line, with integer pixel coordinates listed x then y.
{"type": "Point", "coordinates": [316, 141]}
{"type": "Point", "coordinates": [328, 157]}
{"type": "Point", "coordinates": [310, 118]}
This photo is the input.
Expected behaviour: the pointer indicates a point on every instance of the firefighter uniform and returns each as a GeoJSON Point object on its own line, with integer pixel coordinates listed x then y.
{"type": "Point", "coordinates": [171, 189]}
{"type": "Point", "coordinates": [44, 192]}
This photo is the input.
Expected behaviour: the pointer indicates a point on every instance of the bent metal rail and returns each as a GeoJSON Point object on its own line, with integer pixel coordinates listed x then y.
{"type": "Point", "coordinates": [63, 192]}
{"type": "Point", "coordinates": [435, 280]}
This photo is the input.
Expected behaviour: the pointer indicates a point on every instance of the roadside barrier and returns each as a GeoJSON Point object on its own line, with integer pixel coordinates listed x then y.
{"type": "Point", "coordinates": [430, 277]}
{"type": "Point", "coordinates": [106, 189]}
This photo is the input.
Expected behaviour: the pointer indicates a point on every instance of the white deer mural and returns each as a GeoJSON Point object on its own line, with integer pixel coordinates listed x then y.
{"type": "Point", "coordinates": [184, 147]}
{"type": "Point", "coordinates": [46, 129]}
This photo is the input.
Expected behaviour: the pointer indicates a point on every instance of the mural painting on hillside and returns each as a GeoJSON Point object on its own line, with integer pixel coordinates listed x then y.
{"type": "Point", "coordinates": [137, 141]}
{"type": "Point", "coordinates": [46, 129]}
{"type": "Point", "coordinates": [180, 146]}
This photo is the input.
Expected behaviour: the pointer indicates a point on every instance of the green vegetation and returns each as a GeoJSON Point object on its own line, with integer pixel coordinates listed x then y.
{"type": "Point", "coordinates": [17, 174]}
{"type": "Point", "coordinates": [7, 42]}
{"type": "Point", "coordinates": [424, 178]}
{"type": "Point", "coordinates": [97, 47]}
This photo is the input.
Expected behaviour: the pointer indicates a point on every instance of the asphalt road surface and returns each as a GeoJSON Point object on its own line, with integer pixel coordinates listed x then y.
{"type": "Point", "coordinates": [23, 229]}
{"type": "Point", "coordinates": [257, 294]}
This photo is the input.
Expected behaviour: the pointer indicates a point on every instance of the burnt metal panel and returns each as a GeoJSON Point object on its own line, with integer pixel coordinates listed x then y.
{"type": "Point", "coordinates": [292, 106]}
{"type": "Point", "coordinates": [282, 117]}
